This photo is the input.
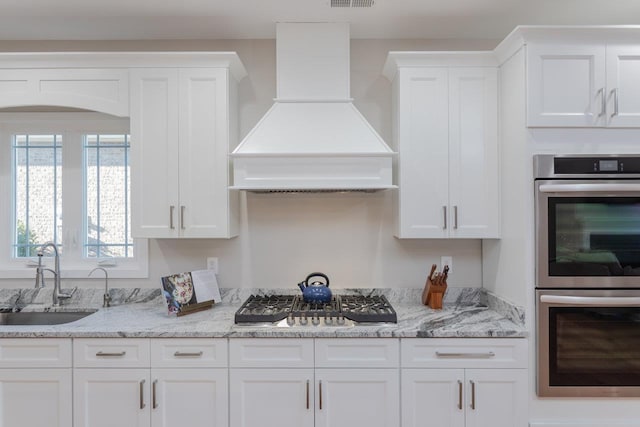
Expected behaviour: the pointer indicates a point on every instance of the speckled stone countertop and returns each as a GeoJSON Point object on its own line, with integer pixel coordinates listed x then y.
{"type": "Point", "coordinates": [466, 312]}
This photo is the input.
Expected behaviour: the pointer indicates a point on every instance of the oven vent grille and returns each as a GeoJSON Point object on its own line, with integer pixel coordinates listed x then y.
{"type": "Point", "coordinates": [352, 3]}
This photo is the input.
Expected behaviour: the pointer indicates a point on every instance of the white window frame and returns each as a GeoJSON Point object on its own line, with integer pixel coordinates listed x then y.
{"type": "Point", "coordinates": [72, 126]}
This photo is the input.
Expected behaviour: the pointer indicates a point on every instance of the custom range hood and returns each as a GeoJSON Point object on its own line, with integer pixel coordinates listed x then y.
{"type": "Point", "coordinates": [312, 138]}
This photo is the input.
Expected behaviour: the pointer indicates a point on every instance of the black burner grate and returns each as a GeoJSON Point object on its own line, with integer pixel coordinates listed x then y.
{"type": "Point", "coordinates": [274, 308]}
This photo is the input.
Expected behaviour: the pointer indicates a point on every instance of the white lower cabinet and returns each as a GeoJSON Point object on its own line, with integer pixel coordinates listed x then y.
{"type": "Point", "coordinates": [464, 397]}
{"type": "Point", "coordinates": [322, 382]}
{"type": "Point", "coordinates": [111, 397]}
{"type": "Point", "coordinates": [357, 397]}
{"type": "Point", "coordinates": [118, 383]}
{"type": "Point", "coordinates": [271, 397]}
{"type": "Point", "coordinates": [35, 382]}
{"type": "Point", "coordinates": [464, 382]}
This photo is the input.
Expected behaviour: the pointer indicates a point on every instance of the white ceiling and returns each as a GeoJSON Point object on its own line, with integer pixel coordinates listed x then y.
{"type": "Point", "coordinates": [241, 19]}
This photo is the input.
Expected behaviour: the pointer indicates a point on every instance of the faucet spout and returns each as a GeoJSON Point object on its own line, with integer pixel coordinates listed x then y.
{"type": "Point", "coordinates": [106, 298]}
{"type": "Point", "coordinates": [57, 292]}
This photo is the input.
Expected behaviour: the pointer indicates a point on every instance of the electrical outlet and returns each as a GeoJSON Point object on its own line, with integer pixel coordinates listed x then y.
{"type": "Point", "coordinates": [446, 260]}
{"type": "Point", "coordinates": [212, 264]}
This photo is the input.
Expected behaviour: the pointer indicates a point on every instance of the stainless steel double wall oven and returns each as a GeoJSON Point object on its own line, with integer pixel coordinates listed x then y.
{"type": "Point", "coordinates": [588, 275]}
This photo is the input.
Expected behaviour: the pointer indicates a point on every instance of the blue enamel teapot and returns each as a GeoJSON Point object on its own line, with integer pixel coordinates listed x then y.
{"type": "Point", "coordinates": [316, 292]}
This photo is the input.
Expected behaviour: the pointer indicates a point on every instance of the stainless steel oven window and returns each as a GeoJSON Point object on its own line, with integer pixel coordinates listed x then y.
{"type": "Point", "coordinates": [588, 342]}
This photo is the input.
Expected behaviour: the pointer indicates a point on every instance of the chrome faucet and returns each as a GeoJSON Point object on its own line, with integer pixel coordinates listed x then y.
{"type": "Point", "coordinates": [106, 298]}
{"type": "Point", "coordinates": [57, 291]}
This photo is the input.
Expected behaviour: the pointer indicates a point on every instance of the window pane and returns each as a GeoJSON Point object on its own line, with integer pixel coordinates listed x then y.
{"type": "Point", "coordinates": [107, 196]}
{"type": "Point", "coordinates": [37, 188]}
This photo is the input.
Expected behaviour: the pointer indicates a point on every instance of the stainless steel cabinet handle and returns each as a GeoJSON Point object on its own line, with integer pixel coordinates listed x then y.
{"type": "Point", "coordinates": [142, 405]}
{"type": "Point", "coordinates": [466, 355]}
{"type": "Point", "coordinates": [182, 217]}
{"type": "Point", "coordinates": [473, 395]}
{"type": "Point", "coordinates": [153, 395]}
{"type": "Point", "coordinates": [444, 214]}
{"type": "Point", "coordinates": [455, 217]}
{"type": "Point", "coordinates": [171, 209]}
{"type": "Point", "coordinates": [320, 393]}
{"type": "Point", "coordinates": [307, 394]}
{"type": "Point", "coordinates": [603, 102]}
{"type": "Point", "coordinates": [614, 93]}
{"type": "Point", "coordinates": [107, 354]}
{"type": "Point", "coordinates": [459, 394]}
{"type": "Point", "coordinates": [194, 354]}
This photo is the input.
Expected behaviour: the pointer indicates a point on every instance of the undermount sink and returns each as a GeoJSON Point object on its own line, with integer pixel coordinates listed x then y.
{"type": "Point", "coordinates": [42, 318]}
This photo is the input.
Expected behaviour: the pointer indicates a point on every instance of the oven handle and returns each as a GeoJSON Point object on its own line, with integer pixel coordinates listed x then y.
{"type": "Point", "coordinates": [592, 301]}
{"type": "Point", "coordinates": [574, 188]}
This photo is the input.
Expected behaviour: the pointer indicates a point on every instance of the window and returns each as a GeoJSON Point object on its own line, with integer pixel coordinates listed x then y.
{"type": "Point", "coordinates": [68, 181]}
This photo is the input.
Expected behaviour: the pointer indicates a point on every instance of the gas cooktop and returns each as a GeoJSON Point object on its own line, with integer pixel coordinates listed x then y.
{"type": "Point", "coordinates": [292, 310]}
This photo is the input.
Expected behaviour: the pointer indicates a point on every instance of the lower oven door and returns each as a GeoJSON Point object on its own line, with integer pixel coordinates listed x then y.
{"type": "Point", "coordinates": [588, 342]}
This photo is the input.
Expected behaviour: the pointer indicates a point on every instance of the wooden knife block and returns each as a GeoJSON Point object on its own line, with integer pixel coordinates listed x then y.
{"type": "Point", "coordinates": [433, 294]}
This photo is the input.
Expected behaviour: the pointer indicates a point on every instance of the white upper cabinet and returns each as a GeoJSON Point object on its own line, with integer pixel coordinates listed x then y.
{"type": "Point", "coordinates": [566, 85]}
{"type": "Point", "coordinates": [183, 127]}
{"type": "Point", "coordinates": [583, 83]}
{"type": "Point", "coordinates": [446, 135]}
{"type": "Point", "coordinates": [623, 83]}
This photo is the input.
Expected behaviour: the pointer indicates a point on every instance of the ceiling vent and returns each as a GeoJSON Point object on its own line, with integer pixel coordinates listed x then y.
{"type": "Point", "coordinates": [352, 3]}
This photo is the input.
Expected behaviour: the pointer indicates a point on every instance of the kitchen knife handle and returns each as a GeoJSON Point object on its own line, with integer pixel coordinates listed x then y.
{"type": "Point", "coordinates": [171, 208]}
{"type": "Point", "coordinates": [142, 404]}
{"type": "Point", "coordinates": [153, 394]}
{"type": "Point", "coordinates": [320, 393]}
{"type": "Point", "coordinates": [182, 217]}
{"type": "Point", "coordinates": [307, 394]}
{"type": "Point", "coordinates": [614, 92]}
{"type": "Point", "coordinates": [603, 102]}
{"type": "Point", "coordinates": [459, 394]}
{"type": "Point", "coordinates": [455, 217]}
{"type": "Point", "coordinates": [473, 395]}
{"type": "Point", "coordinates": [444, 215]}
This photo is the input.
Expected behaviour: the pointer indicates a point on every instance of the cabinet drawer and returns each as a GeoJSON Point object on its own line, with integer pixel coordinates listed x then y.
{"type": "Point", "coordinates": [188, 353]}
{"type": "Point", "coordinates": [464, 353]}
{"type": "Point", "coordinates": [35, 353]}
{"type": "Point", "coordinates": [111, 352]}
{"type": "Point", "coordinates": [357, 353]}
{"type": "Point", "coordinates": [271, 353]}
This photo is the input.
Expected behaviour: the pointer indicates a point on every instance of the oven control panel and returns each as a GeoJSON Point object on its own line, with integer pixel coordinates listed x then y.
{"type": "Point", "coordinates": [570, 166]}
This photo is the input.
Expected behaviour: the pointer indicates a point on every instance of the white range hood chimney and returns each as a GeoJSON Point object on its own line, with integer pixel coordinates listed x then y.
{"type": "Point", "coordinates": [312, 138]}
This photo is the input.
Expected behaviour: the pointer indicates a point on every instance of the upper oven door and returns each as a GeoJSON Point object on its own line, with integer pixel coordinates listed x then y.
{"type": "Point", "coordinates": [587, 233]}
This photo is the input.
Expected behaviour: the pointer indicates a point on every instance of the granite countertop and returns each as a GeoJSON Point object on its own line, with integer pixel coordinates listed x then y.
{"type": "Point", "coordinates": [466, 312]}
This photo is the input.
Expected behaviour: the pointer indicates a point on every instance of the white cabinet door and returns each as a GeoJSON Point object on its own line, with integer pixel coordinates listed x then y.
{"type": "Point", "coordinates": [446, 128]}
{"type": "Point", "coordinates": [423, 146]}
{"type": "Point", "coordinates": [189, 397]}
{"type": "Point", "coordinates": [566, 85]}
{"type": "Point", "coordinates": [154, 153]}
{"type": "Point", "coordinates": [496, 397]}
{"type": "Point", "coordinates": [623, 85]}
{"type": "Point", "coordinates": [473, 152]}
{"type": "Point", "coordinates": [271, 397]}
{"type": "Point", "coordinates": [180, 133]}
{"type": "Point", "coordinates": [464, 397]}
{"type": "Point", "coordinates": [111, 397]}
{"type": "Point", "coordinates": [433, 397]}
{"type": "Point", "coordinates": [35, 397]}
{"type": "Point", "coordinates": [357, 397]}
{"type": "Point", "coordinates": [204, 164]}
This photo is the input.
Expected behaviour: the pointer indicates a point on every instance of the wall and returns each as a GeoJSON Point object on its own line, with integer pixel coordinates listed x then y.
{"type": "Point", "coordinates": [285, 237]}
